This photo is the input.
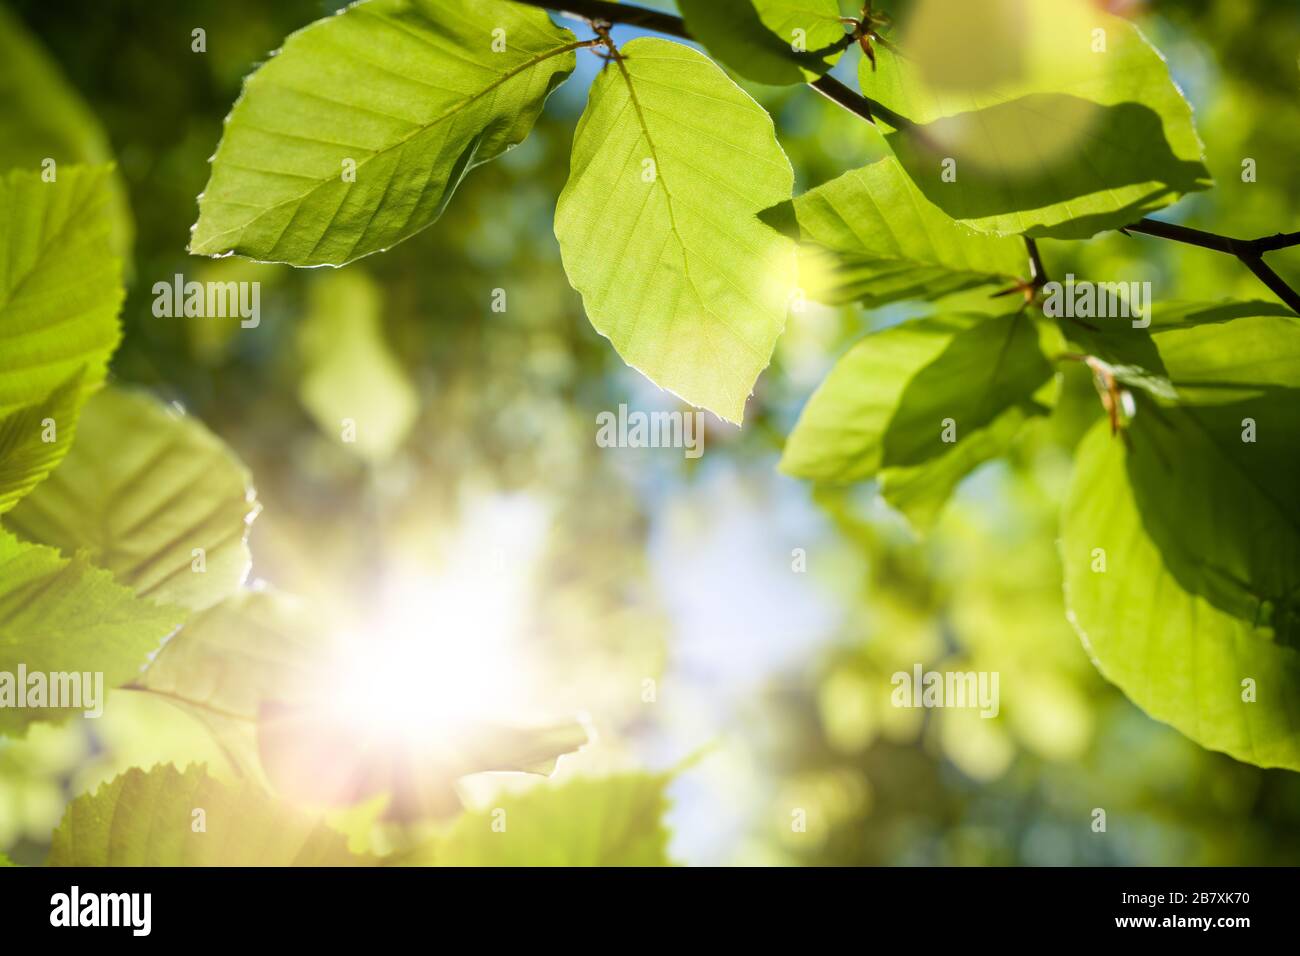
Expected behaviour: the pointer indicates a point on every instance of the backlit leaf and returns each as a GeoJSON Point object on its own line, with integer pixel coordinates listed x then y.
{"type": "Point", "coordinates": [60, 285]}
{"type": "Point", "coordinates": [658, 227]}
{"type": "Point", "coordinates": [147, 818]}
{"type": "Point", "coordinates": [769, 41]}
{"type": "Point", "coordinates": [144, 489]}
{"type": "Point", "coordinates": [1182, 570]}
{"type": "Point", "coordinates": [61, 615]}
{"type": "Point", "coordinates": [409, 95]}
{"type": "Point", "coordinates": [1049, 118]}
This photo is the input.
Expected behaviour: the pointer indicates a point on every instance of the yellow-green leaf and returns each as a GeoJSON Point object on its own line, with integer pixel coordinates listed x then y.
{"type": "Point", "coordinates": [658, 227]}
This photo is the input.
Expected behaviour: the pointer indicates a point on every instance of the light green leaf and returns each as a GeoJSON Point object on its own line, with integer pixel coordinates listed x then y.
{"type": "Point", "coordinates": [889, 402]}
{"type": "Point", "coordinates": [35, 438]}
{"type": "Point", "coordinates": [60, 285]}
{"type": "Point", "coordinates": [412, 93]}
{"type": "Point", "coordinates": [62, 615]}
{"type": "Point", "coordinates": [147, 819]}
{"type": "Point", "coordinates": [349, 372]}
{"type": "Point", "coordinates": [143, 488]}
{"type": "Point", "coordinates": [226, 661]}
{"type": "Point", "coordinates": [42, 117]}
{"type": "Point", "coordinates": [604, 821]}
{"type": "Point", "coordinates": [658, 227]}
{"type": "Point", "coordinates": [871, 236]}
{"type": "Point", "coordinates": [1194, 612]}
{"type": "Point", "coordinates": [921, 491]}
{"type": "Point", "coordinates": [758, 38]}
{"type": "Point", "coordinates": [1052, 118]}
{"type": "Point", "coordinates": [1201, 353]}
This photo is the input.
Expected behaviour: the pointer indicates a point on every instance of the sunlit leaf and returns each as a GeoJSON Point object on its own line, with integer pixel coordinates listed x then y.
{"type": "Point", "coordinates": [1182, 570]}
{"type": "Point", "coordinates": [149, 818]}
{"type": "Point", "coordinates": [252, 647]}
{"type": "Point", "coordinates": [60, 615]}
{"type": "Point", "coordinates": [34, 439]}
{"type": "Point", "coordinates": [43, 118]}
{"type": "Point", "coordinates": [1202, 353]}
{"type": "Point", "coordinates": [60, 285]}
{"type": "Point", "coordinates": [349, 372]}
{"type": "Point", "coordinates": [871, 236]}
{"type": "Point", "coordinates": [769, 41]}
{"type": "Point", "coordinates": [1049, 118]}
{"type": "Point", "coordinates": [658, 227]}
{"type": "Point", "coordinates": [151, 495]}
{"type": "Point", "coordinates": [355, 134]}
{"type": "Point", "coordinates": [601, 821]}
{"type": "Point", "coordinates": [915, 392]}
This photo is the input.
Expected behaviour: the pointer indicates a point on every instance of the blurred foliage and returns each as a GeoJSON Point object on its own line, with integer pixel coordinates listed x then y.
{"type": "Point", "coordinates": [507, 404]}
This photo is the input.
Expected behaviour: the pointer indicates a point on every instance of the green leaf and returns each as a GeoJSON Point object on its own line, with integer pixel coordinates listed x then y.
{"type": "Point", "coordinates": [63, 615]}
{"type": "Point", "coordinates": [604, 821]}
{"type": "Point", "coordinates": [887, 403]}
{"type": "Point", "coordinates": [1051, 134]}
{"type": "Point", "coordinates": [148, 819]}
{"type": "Point", "coordinates": [349, 371]}
{"type": "Point", "coordinates": [42, 117]}
{"type": "Point", "coordinates": [1200, 535]}
{"type": "Point", "coordinates": [658, 227]}
{"type": "Point", "coordinates": [1202, 353]}
{"type": "Point", "coordinates": [757, 38]}
{"type": "Point", "coordinates": [26, 456]}
{"type": "Point", "coordinates": [410, 91]}
{"type": "Point", "coordinates": [60, 285]}
{"type": "Point", "coordinates": [143, 488]}
{"type": "Point", "coordinates": [871, 236]}
{"type": "Point", "coordinates": [252, 647]}
{"type": "Point", "coordinates": [921, 491]}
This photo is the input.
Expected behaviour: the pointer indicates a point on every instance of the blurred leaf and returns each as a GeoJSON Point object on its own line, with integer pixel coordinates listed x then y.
{"type": "Point", "coordinates": [658, 228]}
{"type": "Point", "coordinates": [61, 615]}
{"type": "Point", "coordinates": [25, 456]}
{"type": "Point", "coordinates": [60, 285]}
{"type": "Point", "coordinates": [604, 821]}
{"type": "Point", "coordinates": [757, 38]}
{"type": "Point", "coordinates": [148, 819]}
{"type": "Point", "coordinates": [1199, 532]}
{"type": "Point", "coordinates": [349, 371]}
{"type": "Point", "coordinates": [143, 488]}
{"type": "Point", "coordinates": [886, 403]}
{"type": "Point", "coordinates": [253, 646]}
{"type": "Point", "coordinates": [411, 92]}
{"type": "Point", "coordinates": [871, 236]}
{"type": "Point", "coordinates": [43, 117]}
{"type": "Point", "coordinates": [315, 753]}
{"type": "Point", "coordinates": [1062, 120]}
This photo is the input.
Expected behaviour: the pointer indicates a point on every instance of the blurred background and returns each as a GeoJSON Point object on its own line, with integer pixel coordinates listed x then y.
{"type": "Point", "coordinates": [666, 599]}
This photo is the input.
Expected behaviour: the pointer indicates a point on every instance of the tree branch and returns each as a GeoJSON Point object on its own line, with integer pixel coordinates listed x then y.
{"type": "Point", "coordinates": [1249, 251]}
